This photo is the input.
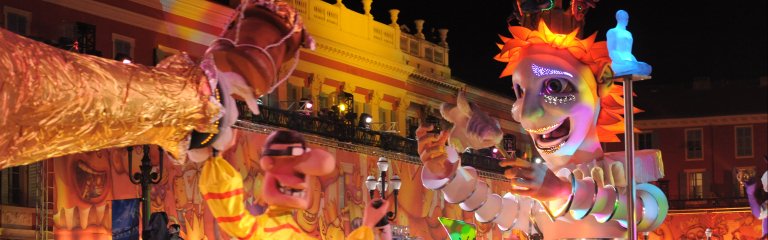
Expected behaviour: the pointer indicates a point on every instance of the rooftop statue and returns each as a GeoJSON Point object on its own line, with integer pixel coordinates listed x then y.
{"type": "Point", "coordinates": [620, 49]}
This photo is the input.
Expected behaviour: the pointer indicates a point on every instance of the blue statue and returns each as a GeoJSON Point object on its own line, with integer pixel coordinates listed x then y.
{"type": "Point", "coordinates": [620, 49]}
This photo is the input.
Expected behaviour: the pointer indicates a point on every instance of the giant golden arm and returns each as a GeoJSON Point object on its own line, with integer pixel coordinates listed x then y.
{"type": "Point", "coordinates": [54, 102]}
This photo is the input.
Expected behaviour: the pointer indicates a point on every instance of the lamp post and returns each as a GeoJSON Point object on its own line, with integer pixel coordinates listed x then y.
{"type": "Point", "coordinates": [382, 184]}
{"type": "Point", "coordinates": [629, 148]}
{"type": "Point", "coordinates": [145, 177]}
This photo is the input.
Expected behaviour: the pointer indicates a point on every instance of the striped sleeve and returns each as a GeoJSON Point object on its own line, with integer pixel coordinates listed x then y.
{"type": "Point", "coordinates": [222, 189]}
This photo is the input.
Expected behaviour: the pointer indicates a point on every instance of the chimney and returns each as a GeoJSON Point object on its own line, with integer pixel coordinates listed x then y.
{"type": "Point", "coordinates": [419, 28]}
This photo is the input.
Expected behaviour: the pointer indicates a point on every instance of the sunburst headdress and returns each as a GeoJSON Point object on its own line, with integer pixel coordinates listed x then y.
{"type": "Point", "coordinates": [610, 121]}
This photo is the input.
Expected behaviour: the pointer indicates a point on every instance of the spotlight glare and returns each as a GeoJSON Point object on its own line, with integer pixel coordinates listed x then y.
{"type": "Point", "coordinates": [308, 105]}
{"type": "Point", "coordinates": [342, 107]}
{"type": "Point", "coordinates": [495, 150]}
{"type": "Point", "coordinates": [127, 61]}
{"type": "Point", "coordinates": [368, 119]}
{"type": "Point", "coordinates": [537, 160]}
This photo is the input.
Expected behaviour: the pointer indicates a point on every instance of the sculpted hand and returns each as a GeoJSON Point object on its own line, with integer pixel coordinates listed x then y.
{"type": "Point", "coordinates": [431, 148]}
{"type": "Point", "coordinates": [373, 215]}
{"type": "Point", "coordinates": [535, 180]}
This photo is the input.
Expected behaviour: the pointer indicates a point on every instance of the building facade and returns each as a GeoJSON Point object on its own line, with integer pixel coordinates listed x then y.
{"type": "Point", "coordinates": [707, 158]}
{"type": "Point", "coordinates": [367, 66]}
{"type": "Point", "coordinates": [710, 146]}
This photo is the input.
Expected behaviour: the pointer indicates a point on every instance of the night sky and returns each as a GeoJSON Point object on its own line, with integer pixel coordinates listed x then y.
{"type": "Point", "coordinates": [682, 40]}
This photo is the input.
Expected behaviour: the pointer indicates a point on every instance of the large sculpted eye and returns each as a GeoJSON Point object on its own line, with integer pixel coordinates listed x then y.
{"type": "Point", "coordinates": [556, 85]}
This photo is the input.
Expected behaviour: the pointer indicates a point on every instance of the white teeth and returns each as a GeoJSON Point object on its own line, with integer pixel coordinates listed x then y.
{"type": "Point", "coordinates": [298, 194]}
{"type": "Point", "coordinates": [69, 218]}
{"type": "Point", "coordinates": [57, 219]}
{"type": "Point", "coordinates": [108, 217]}
{"type": "Point", "coordinates": [291, 192]}
{"type": "Point", "coordinates": [83, 212]}
{"type": "Point", "coordinates": [87, 169]}
{"type": "Point", "coordinates": [100, 212]}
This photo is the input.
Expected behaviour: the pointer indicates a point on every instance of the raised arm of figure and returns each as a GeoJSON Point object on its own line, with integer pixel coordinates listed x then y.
{"type": "Point", "coordinates": [222, 188]}
{"type": "Point", "coordinates": [582, 196]}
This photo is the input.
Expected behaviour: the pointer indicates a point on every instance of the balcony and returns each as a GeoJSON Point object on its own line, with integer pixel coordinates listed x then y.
{"type": "Point", "coordinates": [345, 131]}
{"type": "Point", "coordinates": [708, 203]}
{"type": "Point", "coordinates": [424, 49]}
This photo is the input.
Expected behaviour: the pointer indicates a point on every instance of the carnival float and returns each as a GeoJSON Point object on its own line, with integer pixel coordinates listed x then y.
{"type": "Point", "coordinates": [572, 94]}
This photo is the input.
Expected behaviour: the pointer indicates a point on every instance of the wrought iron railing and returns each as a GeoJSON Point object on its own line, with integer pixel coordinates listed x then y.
{"type": "Point", "coordinates": [346, 131]}
{"type": "Point", "coordinates": [712, 202]}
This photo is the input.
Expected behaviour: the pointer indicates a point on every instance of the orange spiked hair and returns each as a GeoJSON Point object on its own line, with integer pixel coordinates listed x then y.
{"type": "Point", "coordinates": [610, 121]}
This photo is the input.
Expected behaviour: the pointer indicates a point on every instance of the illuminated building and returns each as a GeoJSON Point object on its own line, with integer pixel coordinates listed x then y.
{"type": "Point", "coordinates": [360, 66]}
{"type": "Point", "coordinates": [709, 145]}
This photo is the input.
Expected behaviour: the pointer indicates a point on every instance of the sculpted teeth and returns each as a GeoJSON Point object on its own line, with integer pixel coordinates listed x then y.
{"type": "Point", "coordinates": [552, 149]}
{"type": "Point", "coordinates": [544, 129]}
{"type": "Point", "coordinates": [291, 192]}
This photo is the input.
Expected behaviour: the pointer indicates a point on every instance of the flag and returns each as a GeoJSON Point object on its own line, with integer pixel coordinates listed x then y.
{"type": "Point", "coordinates": [125, 219]}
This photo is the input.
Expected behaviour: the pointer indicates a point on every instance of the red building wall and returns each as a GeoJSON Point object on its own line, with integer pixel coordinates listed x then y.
{"type": "Point", "coordinates": [718, 153]}
{"type": "Point", "coordinates": [48, 21]}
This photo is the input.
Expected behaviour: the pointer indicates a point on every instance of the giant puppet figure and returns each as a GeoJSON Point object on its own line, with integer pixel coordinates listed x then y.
{"type": "Point", "coordinates": [289, 166]}
{"type": "Point", "coordinates": [55, 103]}
{"type": "Point", "coordinates": [568, 104]}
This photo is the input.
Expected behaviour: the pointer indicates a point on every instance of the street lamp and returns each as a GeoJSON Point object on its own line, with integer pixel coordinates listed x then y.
{"type": "Point", "coordinates": [305, 106]}
{"type": "Point", "coordinates": [382, 184]}
{"type": "Point", "coordinates": [144, 177]}
{"type": "Point", "coordinates": [365, 121]}
{"type": "Point", "coordinates": [371, 184]}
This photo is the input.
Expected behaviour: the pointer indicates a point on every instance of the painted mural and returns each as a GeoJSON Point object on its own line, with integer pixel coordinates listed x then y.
{"type": "Point", "coordinates": [725, 226]}
{"type": "Point", "coordinates": [86, 183]}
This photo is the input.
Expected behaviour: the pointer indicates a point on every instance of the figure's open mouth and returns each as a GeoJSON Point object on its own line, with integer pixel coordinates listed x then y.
{"type": "Point", "coordinates": [91, 183]}
{"type": "Point", "coordinates": [552, 138]}
{"type": "Point", "coordinates": [296, 191]}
